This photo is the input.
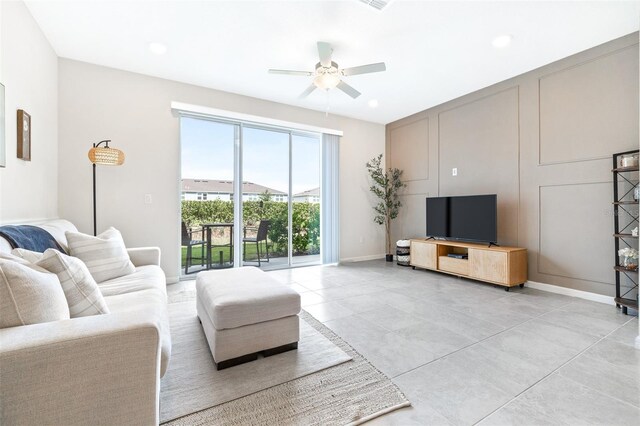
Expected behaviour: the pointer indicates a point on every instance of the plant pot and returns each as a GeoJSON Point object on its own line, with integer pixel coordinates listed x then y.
{"type": "Point", "coordinates": [389, 258]}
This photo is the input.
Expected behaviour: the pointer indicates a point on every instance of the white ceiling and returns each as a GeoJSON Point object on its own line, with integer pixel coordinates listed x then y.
{"type": "Point", "coordinates": [434, 50]}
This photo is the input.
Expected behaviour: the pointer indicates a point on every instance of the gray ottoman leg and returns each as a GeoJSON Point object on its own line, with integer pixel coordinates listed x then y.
{"type": "Point", "coordinates": [236, 361]}
{"type": "Point", "coordinates": [280, 349]}
{"type": "Point", "coordinates": [254, 356]}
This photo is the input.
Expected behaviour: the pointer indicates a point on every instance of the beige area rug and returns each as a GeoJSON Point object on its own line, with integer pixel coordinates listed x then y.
{"type": "Point", "coordinates": [192, 382]}
{"type": "Point", "coordinates": [324, 382]}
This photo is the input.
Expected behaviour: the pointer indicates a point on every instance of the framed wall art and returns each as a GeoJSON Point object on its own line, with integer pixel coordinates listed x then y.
{"type": "Point", "coordinates": [24, 135]}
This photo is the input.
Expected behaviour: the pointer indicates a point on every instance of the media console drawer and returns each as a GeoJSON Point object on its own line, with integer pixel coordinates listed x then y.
{"type": "Point", "coordinates": [453, 265]}
{"type": "Point", "coordinates": [423, 254]}
{"type": "Point", "coordinates": [488, 265]}
{"type": "Point", "coordinates": [506, 266]}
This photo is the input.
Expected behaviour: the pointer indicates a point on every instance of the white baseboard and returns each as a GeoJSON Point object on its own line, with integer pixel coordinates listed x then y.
{"type": "Point", "coordinates": [594, 297]}
{"type": "Point", "coordinates": [362, 258]}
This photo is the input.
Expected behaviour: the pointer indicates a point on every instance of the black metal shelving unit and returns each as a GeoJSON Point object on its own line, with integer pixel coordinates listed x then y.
{"type": "Point", "coordinates": [625, 207]}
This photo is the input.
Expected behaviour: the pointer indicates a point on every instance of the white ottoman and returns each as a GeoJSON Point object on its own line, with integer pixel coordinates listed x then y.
{"type": "Point", "coordinates": [245, 312]}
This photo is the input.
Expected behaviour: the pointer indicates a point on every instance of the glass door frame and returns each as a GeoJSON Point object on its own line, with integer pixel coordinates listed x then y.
{"type": "Point", "coordinates": [237, 219]}
{"type": "Point", "coordinates": [239, 127]}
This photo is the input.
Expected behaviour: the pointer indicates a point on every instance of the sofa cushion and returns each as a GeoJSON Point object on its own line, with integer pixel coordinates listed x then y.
{"type": "Point", "coordinates": [105, 255]}
{"type": "Point", "coordinates": [147, 302]}
{"type": "Point", "coordinates": [29, 294]}
{"type": "Point", "coordinates": [144, 278]}
{"type": "Point", "coordinates": [58, 228]}
{"type": "Point", "coordinates": [80, 289]}
{"type": "Point", "coordinates": [28, 255]}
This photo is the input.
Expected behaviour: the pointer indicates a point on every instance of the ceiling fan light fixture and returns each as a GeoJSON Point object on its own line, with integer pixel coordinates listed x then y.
{"type": "Point", "coordinates": [328, 74]}
{"type": "Point", "coordinates": [326, 81]}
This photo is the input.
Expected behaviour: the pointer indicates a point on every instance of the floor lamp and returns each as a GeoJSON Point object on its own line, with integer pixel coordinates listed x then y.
{"type": "Point", "coordinates": [104, 156]}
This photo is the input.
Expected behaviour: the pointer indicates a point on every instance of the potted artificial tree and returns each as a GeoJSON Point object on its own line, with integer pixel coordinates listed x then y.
{"type": "Point", "coordinates": [385, 187]}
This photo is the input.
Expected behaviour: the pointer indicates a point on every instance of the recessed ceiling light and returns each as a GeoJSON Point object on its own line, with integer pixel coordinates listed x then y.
{"type": "Point", "coordinates": [502, 41]}
{"type": "Point", "coordinates": [157, 48]}
{"type": "Point", "coordinates": [373, 103]}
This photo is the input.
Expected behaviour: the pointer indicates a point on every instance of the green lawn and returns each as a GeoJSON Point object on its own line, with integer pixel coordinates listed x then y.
{"type": "Point", "coordinates": [251, 254]}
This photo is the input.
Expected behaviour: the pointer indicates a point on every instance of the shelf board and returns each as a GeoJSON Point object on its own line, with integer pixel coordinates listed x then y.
{"type": "Point", "coordinates": [629, 303]}
{"type": "Point", "coordinates": [622, 269]}
{"type": "Point", "coordinates": [625, 169]}
{"type": "Point", "coordinates": [620, 203]}
{"type": "Point", "coordinates": [624, 236]}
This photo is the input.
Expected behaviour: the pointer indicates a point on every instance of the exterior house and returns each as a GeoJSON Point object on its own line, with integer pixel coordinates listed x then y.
{"type": "Point", "coordinates": [214, 189]}
{"type": "Point", "coordinates": [309, 196]}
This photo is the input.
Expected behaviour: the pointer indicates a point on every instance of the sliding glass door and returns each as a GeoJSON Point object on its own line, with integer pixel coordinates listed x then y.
{"type": "Point", "coordinates": [209, 149]}
{"type": "Point", "coordinates": [305, 185]}
{"type": "Point", "coordinates": [265, 197]}
{"type": "Point", "coordinates": [250, 196]}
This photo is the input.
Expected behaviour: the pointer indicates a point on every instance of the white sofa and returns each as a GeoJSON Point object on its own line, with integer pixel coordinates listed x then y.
{"type": "Point", "coordinates": [95, 370]}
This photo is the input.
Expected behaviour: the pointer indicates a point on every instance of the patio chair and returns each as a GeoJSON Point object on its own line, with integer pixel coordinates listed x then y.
{"type": "Point", "coordinates": [189, 243]}
{"type": "Point", "coordinates": [261, 235]}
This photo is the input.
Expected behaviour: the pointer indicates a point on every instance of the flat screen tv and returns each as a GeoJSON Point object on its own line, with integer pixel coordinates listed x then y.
{"type": "Point", "coordinates": [465, 218]}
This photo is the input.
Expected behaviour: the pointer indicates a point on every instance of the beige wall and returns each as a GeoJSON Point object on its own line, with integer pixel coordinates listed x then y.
{"type": "Point", "coordinates": [29, 72]}
{"type": "Point", "coordinates": [133, 110]}
{"type": "Point", "coordinates": [543, 142]}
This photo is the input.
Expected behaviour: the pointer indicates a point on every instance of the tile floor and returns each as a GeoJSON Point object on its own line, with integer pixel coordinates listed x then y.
{"type": "Point", "coordinates": [466, 352]}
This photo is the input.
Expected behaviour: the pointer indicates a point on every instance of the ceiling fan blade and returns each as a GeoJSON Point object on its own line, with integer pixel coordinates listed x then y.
{"type": "Point", "coordinates": [324, 51]}
{"type": "Point", "coordinates": [364, 69]}
{"type": "Point", "coordinates": [290, 72]}
{"type": "Point", "coordinates": [348, 89]}
{"type": "Point", "coordinates": [307, 92]}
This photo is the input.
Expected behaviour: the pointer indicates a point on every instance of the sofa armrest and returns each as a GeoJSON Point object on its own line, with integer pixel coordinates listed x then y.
{"type": "Point", "coordinates": [141, 256]}
{"type": "Point", "coordinates": [102, 369]}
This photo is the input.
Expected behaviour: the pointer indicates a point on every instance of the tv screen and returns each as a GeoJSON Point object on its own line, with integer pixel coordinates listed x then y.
{"type": "Point", "coordinates": [466, 218]}
{"type": "Point", "coordinates": [437, 217]}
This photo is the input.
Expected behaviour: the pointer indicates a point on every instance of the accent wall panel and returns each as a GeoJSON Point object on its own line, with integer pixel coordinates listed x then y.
{"type": "Point", "coordinates": [543, 142]}
{"type": "Point", "coordinates": [590, 110]}
{"type": "Point", "coordinates": [411, 221]}
{"type": "Point", "coordinates": [409, 149]}
{"type": "Point", "coordinates": [481, 140]}
{"type": "Point", "coordinates": [576, 230]}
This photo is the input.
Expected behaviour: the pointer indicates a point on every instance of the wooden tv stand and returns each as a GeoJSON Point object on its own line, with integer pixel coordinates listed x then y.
{"type": "Point", "coordinates": [505, 266]}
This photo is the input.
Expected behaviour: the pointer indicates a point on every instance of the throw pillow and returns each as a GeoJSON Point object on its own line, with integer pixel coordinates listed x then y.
{"type": "Point", "coordinates": [28, 255]}
{"type": "Point", "coordinates": [29, 295]}
{"type": "Point", "coordinates": [105, 255]}
{"type": "Point", "coordinates": [83, 295]}
{"type": "Point", "coordinates": [13, 257]}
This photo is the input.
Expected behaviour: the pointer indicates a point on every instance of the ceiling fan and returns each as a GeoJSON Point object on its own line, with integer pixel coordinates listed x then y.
{"type": "Point", "coordinates": [327, 74]}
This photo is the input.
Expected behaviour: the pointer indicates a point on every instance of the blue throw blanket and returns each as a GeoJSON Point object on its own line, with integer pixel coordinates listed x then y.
{"type": "Point", "coordinates": [29, 237]}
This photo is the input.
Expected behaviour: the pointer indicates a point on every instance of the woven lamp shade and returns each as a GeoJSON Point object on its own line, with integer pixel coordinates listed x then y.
{"type": "Point", "coordinates": [106, 156]}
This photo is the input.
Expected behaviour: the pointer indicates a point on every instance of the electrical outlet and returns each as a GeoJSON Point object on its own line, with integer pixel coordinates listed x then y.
{"type": "Point", "coordinates": [147, 199]}
{"type": "Point", "coordinates": [454, 171]}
